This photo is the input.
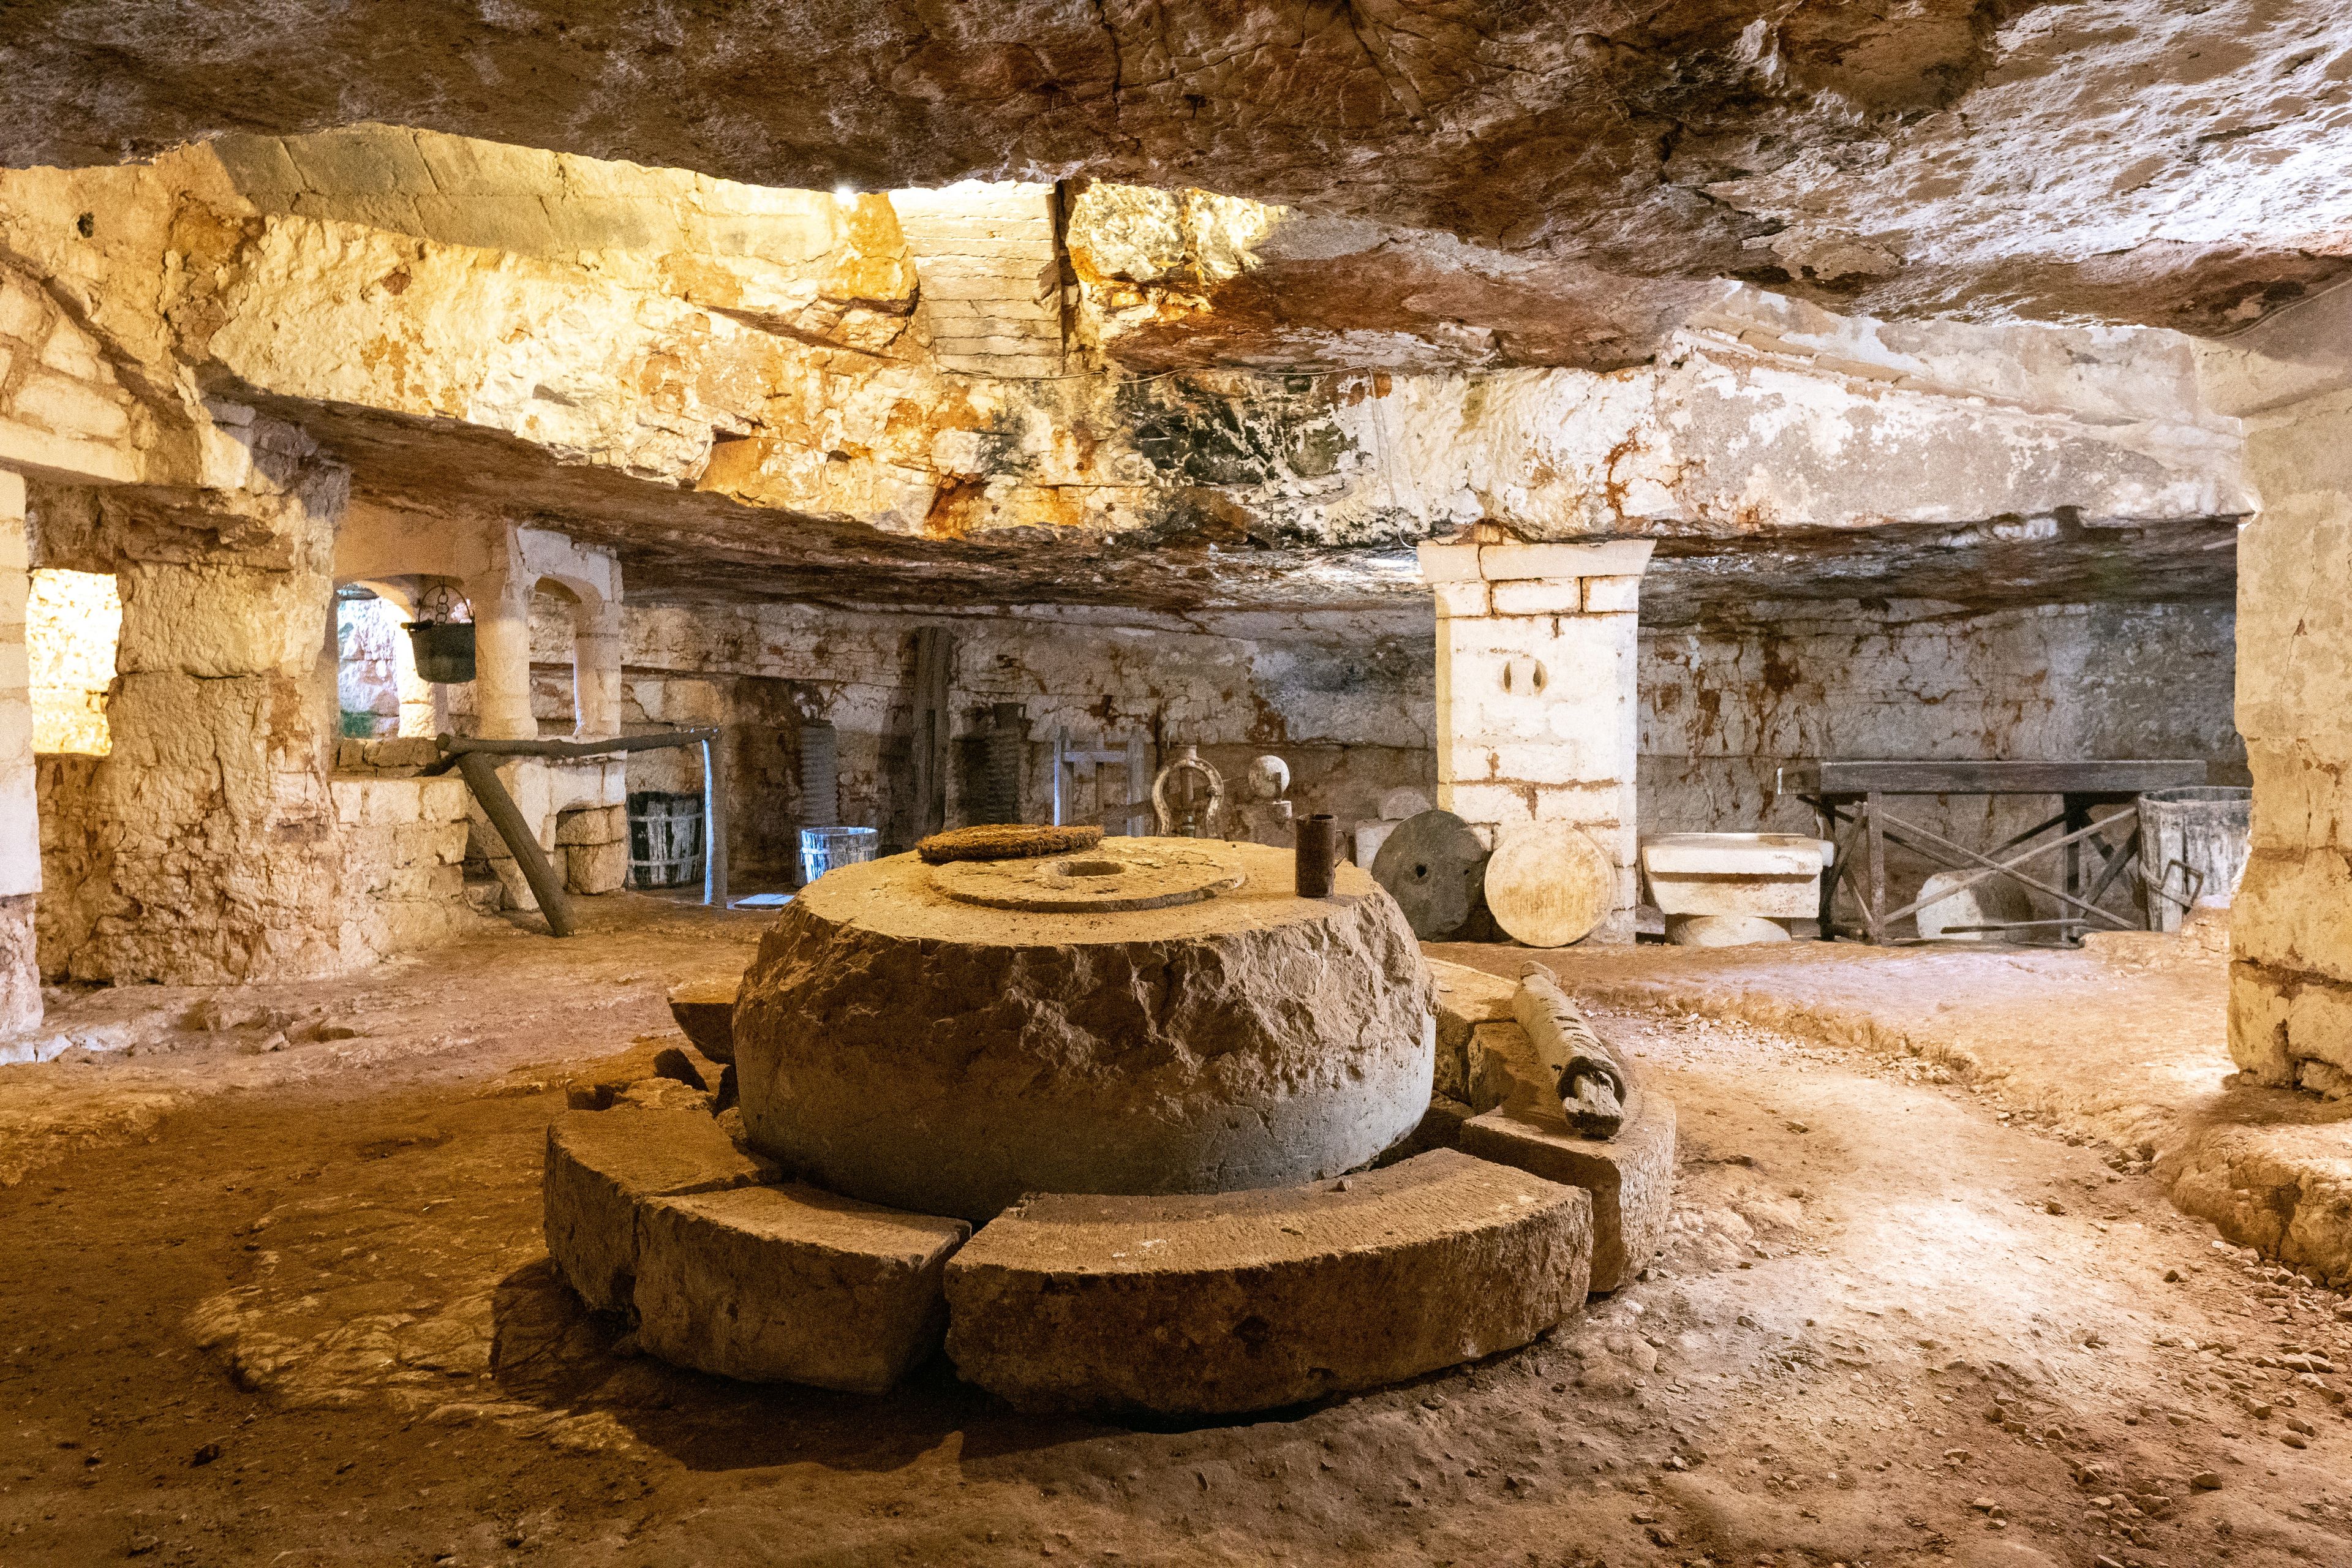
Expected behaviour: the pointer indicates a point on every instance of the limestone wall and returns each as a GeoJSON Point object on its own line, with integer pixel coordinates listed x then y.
{"type": "Point", "coordinates": [1723, 707]}
{"type": "Point", "coordinates": [403, 878]}
{"type": "Point", "coordinates": [1345, 697]}
{"type": "Point", "coordinates": [1538, 694]}
{"type": "Point", "coordinates": [2290, 942]}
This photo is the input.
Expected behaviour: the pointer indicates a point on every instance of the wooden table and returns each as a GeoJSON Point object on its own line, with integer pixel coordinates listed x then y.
{"type": "Point", "coordinates": [1852, 794]}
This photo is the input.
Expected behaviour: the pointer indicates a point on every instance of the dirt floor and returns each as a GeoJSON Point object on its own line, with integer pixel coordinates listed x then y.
{"type": "Point", "coordinates": [274, 1294]}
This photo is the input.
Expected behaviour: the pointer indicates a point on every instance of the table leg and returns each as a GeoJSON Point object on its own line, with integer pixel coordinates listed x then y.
{"type": "Point", "coordinates": [2078, 815]}
{"type": "Point", "coordinates": [1872, 917]}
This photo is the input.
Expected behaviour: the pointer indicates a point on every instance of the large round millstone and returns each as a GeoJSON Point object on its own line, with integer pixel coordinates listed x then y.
{"type": "Point", "coordinates": [901, 1044]}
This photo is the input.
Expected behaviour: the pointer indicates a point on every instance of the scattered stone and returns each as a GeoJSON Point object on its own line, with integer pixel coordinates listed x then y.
{"type": "Point", "coordinates": [2206, 1482]}
{"type": "Point", "coordinates": [671, 1063]}
{"type": "Point", "coordinates": [705, 1011]}
{"type": "Point", "coordinates": [2053, 1206]}
{"type": "Point", "coordinates": [205, 1454]}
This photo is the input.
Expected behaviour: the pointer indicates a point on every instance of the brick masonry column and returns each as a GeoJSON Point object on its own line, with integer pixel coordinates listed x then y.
{"type": "Point", "coordinates": [20, 834]}
{"type": "Point", "coordinates": [1536, 719]}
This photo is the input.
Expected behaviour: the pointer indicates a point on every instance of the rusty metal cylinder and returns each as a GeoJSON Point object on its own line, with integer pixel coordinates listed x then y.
{"type": "Point", "coordinates": [1319, 851]}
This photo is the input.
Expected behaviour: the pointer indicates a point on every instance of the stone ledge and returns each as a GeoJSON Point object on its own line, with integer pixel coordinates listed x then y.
{"type": "Point", "coordinates": [601, 1165]}
{"type": "Point", "coordinates": [1249, 1300]}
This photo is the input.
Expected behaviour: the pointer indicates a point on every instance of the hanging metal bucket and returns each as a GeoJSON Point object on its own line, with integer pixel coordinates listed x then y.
{"type": "Point", "coordinates": [444, 650]}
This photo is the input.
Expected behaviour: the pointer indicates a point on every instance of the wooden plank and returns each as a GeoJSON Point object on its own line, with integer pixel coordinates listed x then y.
{"type": "Point", "coordinates": [2118, 778]}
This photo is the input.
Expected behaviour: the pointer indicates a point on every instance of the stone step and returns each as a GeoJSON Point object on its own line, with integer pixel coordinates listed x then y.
{"type": "Point", "coordinates": [1248, 1301]}
{"type": "Point", "coordinates": [601, 1166]}
{"type": "Point", "coordinates": [792, 1284]}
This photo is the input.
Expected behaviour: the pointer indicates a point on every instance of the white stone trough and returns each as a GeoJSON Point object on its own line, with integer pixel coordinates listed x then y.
{"type": "Point", "coordinates": [1725, 890]}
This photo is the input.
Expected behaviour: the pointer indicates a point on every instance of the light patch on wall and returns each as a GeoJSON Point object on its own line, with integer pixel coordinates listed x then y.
{"type": "Point", "coordinates": [72, 622]}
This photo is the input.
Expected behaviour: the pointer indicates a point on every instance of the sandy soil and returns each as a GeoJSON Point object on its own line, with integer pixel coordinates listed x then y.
{"type": "Point", "coordinates": [2122, 1044]}
{"type": "Point", "coordinates": [289, 1306]}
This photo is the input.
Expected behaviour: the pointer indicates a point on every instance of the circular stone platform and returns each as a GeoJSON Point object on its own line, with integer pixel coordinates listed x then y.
{"type": "Point", "coordinates": [907, 1046]}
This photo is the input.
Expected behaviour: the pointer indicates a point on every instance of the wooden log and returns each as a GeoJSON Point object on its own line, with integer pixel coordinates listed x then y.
{"type": "Point", "coordinates": [481, 775]}
{"type": "Point", "coordinates": [1590, 1080]}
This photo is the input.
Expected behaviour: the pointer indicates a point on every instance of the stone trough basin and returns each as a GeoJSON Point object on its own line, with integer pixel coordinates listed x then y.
{"type": "Point", "coordinates": [1188, 1157]}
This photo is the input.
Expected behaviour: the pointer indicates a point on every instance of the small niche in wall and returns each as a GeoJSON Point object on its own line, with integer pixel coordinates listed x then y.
{"type": "Point", "coordinates": [73, 621]}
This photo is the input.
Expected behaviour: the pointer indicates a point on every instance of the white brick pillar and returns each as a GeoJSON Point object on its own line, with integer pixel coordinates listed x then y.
{"type": "Point", "coordinates": [1536, 706]}
{"type": "Point", "coordinates": [20, 831]}
{"type": "Point", "coordinates": [596, 671]}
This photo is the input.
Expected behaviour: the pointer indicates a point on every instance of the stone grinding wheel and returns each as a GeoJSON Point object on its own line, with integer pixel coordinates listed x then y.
{"type": "Point", "coordinates": [899, 1043]}
{"type": "Point", "coordinates": [1005, 841]}
{"type": "Point", "coordinates": [1549, 884]}
{"type": "Point", "coordinates": [1435, 868]}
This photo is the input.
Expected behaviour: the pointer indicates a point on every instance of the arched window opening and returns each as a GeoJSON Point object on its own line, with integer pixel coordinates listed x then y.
{"type": "Point", "coordinates": [555, 657]}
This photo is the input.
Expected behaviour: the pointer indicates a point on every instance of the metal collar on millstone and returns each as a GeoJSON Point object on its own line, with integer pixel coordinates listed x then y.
{"type": "Point", "coordinates": [1103, 881]}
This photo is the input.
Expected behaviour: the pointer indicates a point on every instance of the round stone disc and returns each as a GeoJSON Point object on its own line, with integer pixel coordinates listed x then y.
{"type": "Point", "coordinates": [1549, 884]}
{"type": "Point", "coordinates": [1435, 868]}
{"type": "Point", "coordinates": [1118, 875]}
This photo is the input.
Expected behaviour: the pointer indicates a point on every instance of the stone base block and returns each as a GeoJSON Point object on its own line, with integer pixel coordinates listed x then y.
{"type": "Point", "coordinates": [705, 1010]}
{"type": "Point", "coordinates": [792, 1284]}
{"type": "Point", "coordinates": [595, 868]}
{"type": "Point", "coordinates": [1248, 1301]}
{"type": "Point", "coordinates": [593, 825]}
{"type": "Point", "coordinates": [603, 1164]}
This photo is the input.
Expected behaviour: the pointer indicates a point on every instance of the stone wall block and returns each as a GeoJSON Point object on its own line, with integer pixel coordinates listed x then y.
{"type": "Point", "coordinates": [393, 803]}
{"type": "Point", "coordinates": [444, 799]}
{"type": "Point", "coordinates": [1539, 596]}
{"type": "Point", "coordinates": [1613, 595]}
{"type": "Point", "coordinates": [1616, 557]}
{"type": "Point", "coordinates": [1575, 759]}
{"type": "Point", "coordinates": [2293, 912]}
{"type": "Point", "coordinates": [2303, 792]}
{"type": "Point", "coordinates": [596, 867]}
{"type": "Point", "coordinates": [1462, 599]}
{"type": "Point", "coordinates": [1448, 562]}
{"type": "Point", "coordinates": [1494, 804]}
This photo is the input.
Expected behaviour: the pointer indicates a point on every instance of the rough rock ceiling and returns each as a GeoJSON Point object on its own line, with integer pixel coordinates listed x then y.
{"type": "Point", "coordinates": [689, 548]}
{"type": "Point", "coordinates": [2119, 160]}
